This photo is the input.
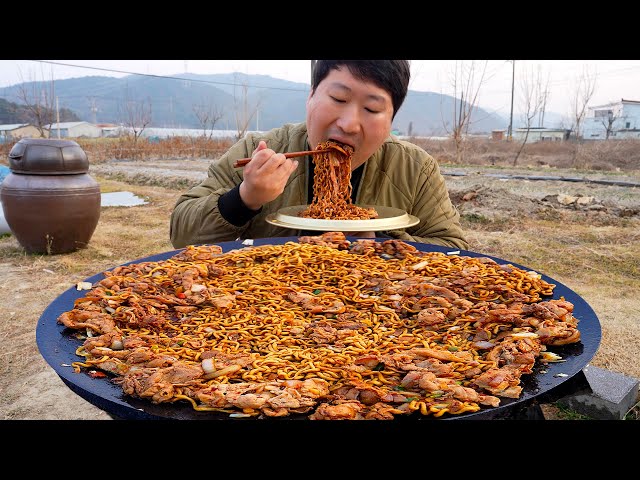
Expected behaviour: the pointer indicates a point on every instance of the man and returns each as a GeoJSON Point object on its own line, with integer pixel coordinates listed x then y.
{"type": "Point", "coordinates": [352, 102]}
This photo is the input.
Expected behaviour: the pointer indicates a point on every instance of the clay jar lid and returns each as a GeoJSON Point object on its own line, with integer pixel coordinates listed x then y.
{"type": "Point", "coordinates": [45, 156]}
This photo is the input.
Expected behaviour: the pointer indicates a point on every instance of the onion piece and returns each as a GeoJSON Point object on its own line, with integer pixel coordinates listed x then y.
{"type": "Point", "coordinates": [208, 366]}
{"type": "Point", "coordinates": [524, 335]}
{"type": "Point", "coordinates": [482, 344]}
{"type": "Point", "coordinates": [550, 357]}
{"type": "Point", "coordinates": [222, 371]}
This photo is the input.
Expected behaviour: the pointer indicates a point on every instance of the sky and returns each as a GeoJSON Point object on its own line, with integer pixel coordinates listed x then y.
{"type": "Point", "coordinates": [613, 79]}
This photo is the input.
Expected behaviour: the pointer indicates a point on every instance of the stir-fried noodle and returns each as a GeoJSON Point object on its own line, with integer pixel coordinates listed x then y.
{"type": "Point", "coordinates": [326, 328]}
{"type": "Point", "coordinates": [332, 186]}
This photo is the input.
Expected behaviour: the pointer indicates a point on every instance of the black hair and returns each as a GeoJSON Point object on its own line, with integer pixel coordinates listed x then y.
{"type": "Point", "coordinates": [391, 75]}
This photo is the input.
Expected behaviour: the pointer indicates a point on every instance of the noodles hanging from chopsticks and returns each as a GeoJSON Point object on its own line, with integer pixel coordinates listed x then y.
{"type": "Point", "coordinates": [332, 186]}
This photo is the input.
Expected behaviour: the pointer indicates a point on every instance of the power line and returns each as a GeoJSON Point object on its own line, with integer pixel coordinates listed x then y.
{"type": "Point", "coordinates": [167, 77]}
{"type": "Point", "coordinates": [210, 82]}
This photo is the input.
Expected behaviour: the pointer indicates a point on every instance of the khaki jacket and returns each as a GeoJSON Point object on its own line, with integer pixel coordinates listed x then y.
{"type": "Point", "coordinates": [399, 175]}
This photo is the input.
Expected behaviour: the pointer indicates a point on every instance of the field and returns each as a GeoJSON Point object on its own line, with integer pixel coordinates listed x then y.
{"type": "Point", "coordinates": [585, 234]}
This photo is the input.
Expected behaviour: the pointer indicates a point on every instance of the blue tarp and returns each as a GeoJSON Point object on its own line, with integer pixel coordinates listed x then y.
{"type": "Point", "coordinates": [4, 171]}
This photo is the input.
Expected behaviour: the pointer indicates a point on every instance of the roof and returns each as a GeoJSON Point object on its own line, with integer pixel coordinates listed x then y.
{"type": "Point", "coordinates": [611, 104]}
{"type": "Point", "coordinates": [542, 129]}
{"type": "Point", "coordinates": [54, 126]}
{"type": "Point", "coordinates": [12, 126]}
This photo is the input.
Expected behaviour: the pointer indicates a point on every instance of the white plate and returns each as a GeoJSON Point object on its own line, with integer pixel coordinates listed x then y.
{"type": "Point", "coordinates": [388, 219]}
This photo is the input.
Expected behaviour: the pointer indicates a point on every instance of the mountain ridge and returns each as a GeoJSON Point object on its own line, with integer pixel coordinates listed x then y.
{"type": "Point", "coordinates": [267, 102]}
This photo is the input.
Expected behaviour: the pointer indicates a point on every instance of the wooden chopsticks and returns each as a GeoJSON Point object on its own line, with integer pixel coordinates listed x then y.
{"type": "Point", "coordinates": [243, 161]}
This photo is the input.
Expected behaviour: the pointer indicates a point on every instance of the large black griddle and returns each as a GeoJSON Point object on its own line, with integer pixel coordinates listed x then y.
{"type": "Point", "coordinates": [58, 345]}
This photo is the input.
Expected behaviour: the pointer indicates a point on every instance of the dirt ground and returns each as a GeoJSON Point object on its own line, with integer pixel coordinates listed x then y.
{"type": "Point", "coordinates": [31, 390]}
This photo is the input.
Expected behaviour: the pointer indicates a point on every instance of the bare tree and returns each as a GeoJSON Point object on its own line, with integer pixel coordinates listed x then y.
{"type": "Point", "coordinates": [607, 119]}
{"type": "Point", "coordinates": [466, 81]}
{"type": "Point", "coordinates": [243, 111]}
{"type": "Point", "coordinates": [533, 96]}
{"type": "Point", "coordinates": [208, 115]}
{"type": "Point", "coordinates": [39, 99]}
{"type": "Point", "coordinates": [544, 100]}
{"type": "Point", "coordinates": [583, 89]}
{"type": "Point", "coordinates": [135, 115]}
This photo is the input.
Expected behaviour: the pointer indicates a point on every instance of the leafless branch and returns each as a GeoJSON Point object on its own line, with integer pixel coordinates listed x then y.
{"type": "Point", "coordinates": [608, 121]}
{"type": "Point", "coordinates": [135, 115]}
{"type": "Point", "coordinates": [584, 87]}
{"type": "Point", "coordinates": [208, 114]}
{"type": "Point", "coordinates": [466, 82]}
{"type": "Point", "coordinates": [243, 111]}
{"type": "Point", "coordinates": [39, 100]}
{"type": "Point", "coordinates": [533, 97]}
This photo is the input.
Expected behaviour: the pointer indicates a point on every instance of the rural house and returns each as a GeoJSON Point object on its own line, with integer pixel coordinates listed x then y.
{"type": "Point", "coordinates": [616, 120]}
{"type": "Point", "coordinates": [541, 134]}
{"type": "Point", "coordinates": [74, 130]}
{"type": "Point", "coordinates": [15, 131]}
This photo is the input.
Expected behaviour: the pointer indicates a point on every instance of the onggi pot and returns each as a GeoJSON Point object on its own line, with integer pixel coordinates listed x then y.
{"type": "Point", "coordinates": [50, 202]}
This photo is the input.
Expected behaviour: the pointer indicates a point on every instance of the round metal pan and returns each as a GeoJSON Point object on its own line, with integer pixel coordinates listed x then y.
{"type": "Point", "coordinates": [58, 346]}
{"type": "Point", "coordinates": [388, 219]}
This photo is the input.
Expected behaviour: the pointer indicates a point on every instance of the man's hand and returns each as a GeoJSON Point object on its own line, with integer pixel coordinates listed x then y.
{"type": "Point", "coordinates": [265, 176]}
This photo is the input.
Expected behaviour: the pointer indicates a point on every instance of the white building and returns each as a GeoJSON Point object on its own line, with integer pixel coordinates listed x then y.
{"type": "Point", "coordinates": [74, 130]}
{"type": "Point", "coordinates": [15, 131]}
{"type": "Point", "coordinates": [541, 134]}
{"type": "Point", "coordinates": [616, 120]}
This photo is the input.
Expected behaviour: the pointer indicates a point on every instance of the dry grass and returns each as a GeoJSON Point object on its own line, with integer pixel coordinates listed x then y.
{"type": "Point", "coordinates": [612, 155]}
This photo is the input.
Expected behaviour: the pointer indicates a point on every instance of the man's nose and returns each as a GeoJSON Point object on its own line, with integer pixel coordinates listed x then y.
{"type": "Point", "coordinates": [349, 119]}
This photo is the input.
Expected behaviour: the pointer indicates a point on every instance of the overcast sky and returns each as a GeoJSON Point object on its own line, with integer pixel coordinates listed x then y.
{"type": "Point", "coordinates": [614, 79]}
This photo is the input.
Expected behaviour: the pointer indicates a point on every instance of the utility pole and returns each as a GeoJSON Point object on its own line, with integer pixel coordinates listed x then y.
{"type": "Point", "coordinates": [94, 109]}
{"type": "Point", "coordinates": [513, 78]}
{"type": "Point", "coordinates": [172, 118]}
{"type": "Point", "coordinates": [58, 116]}
{"type": "Point", "coordinates": [544, 103]}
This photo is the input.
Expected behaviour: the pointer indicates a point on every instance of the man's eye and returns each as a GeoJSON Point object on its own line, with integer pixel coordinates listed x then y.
{"type": "Point", "coordinates": [339, 100]}
{"type": "Point", "coordinates": [370, 110]}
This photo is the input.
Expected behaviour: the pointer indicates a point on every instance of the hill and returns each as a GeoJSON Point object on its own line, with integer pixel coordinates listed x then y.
{"type": "Point", "coordinates": [267, 101]}
{"type": "Point", "coordinates": [11, 112]}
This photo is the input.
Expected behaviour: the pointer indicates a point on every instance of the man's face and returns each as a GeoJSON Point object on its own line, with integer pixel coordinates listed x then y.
{"type": "Point", "coordinates": [348, 110]}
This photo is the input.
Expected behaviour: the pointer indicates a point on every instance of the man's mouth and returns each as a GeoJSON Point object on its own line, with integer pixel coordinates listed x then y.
{"type": "Point", "coordinates": [342, 142]}
{"type": "Point", "coordinates": [344, 149]}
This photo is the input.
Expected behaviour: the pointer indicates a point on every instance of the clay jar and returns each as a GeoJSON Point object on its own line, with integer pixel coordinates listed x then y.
{"type": "Point", "coordinates": [50, 202]}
